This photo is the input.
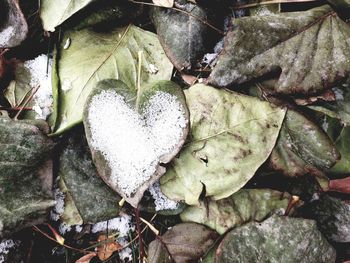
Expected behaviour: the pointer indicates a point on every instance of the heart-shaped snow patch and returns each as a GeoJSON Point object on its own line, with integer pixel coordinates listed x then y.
{"type": "Point", "coordinates": [132, 133]}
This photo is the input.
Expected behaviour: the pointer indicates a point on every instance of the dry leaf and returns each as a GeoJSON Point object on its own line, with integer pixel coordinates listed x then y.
{"type": "Point", "coordinates": [108, 246]}
{"type": "Point", "coordinates": [164, 3]}
{"type": "Point", "coordinates": [87, 258]}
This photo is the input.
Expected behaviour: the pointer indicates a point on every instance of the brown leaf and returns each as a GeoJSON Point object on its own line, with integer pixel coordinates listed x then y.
{"type": "Point", "coordinates": [107, 248]}
{"type": "Point", "coordinates": [87, 258]}
{"type": "Point", "coordinates": [328, 95]}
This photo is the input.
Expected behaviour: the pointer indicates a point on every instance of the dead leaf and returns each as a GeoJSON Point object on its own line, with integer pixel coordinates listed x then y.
{"type": "Point", "coordinates": [87, 258]}
{"type": "Point", "coordinates": [164, 3]}
{"type": "Point", "coordinates": [107, 248]}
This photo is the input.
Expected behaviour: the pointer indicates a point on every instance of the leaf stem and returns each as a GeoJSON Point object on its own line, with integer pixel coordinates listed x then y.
{"type": "Point", "coordinates": [138, 80]}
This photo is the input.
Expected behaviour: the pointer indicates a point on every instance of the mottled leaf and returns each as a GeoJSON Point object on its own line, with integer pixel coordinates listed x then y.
{"type": "Point", "coordinates": [13, 26]}
{"type": "Point", "coordinates": [311, 48]}
{"type": "Point", "coordinates": [302, 147]}
{"type": "Point", "coordinates": [54, 13]}
{"type": "Point", "coordinates": [332, 216]}
{"type": "Point", "coordinates": [244, 206]}
{"type": "Point", "coordinates": [25, 175]}
{"type": "Point", "coordinates": [94, 200]}
{"type": "Point", "coordinates": [231, 136]}
{"type": "Point", "coordinates": [183, 37]}
{"type": "Point", "coordinates": [183, 243]}
{"type": "Point", "coordinates": [146, 120]}
{"type": "Point", "coordinates": [93, 56]}
{"type": "Point", "coordinates": [277, 239]}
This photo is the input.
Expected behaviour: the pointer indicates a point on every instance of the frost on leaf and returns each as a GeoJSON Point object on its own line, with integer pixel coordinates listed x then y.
{"type": "Point", "coordinates": [137, 134]}
{"type": "Point", "coordinates": [14, 30]}
{"type": "Point", "coordinates": [277, 239]}
{"type": "Point", "coordinates": [161, 201]}
{"type": "Point", "coordinates": [310, 49]}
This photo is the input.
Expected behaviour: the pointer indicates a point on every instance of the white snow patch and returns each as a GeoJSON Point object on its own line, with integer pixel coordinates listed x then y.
{"type": "Point", "coordinates": [58, 209]}
{"type": "Point", "coordinates": [64, 228]}
{"type": "Point", "coordinates": [5, 246]}
{"type": "Point", "coordinates": [133, 144]}
{"type": "Point", "coordinates": [40, 71]}
{"type": "Point", "coordinates": [161, 201]}
{"type": "Point", "coordinates": [153, 69]}
{"type": "Point", "coordinates": [325, 124]}
{"type": "Point", "coordinates": [6, 35]}
{"type": "Point", "coordinates": [122, 224]}
{"type": "Point", "coordinates": [339, 94]}
{"type": "Point", "coordinates": [126, 253]}
{"type": "Point", "coordinates": [209, 58]}
{"type": "Point", "coordinates": [78, 228]}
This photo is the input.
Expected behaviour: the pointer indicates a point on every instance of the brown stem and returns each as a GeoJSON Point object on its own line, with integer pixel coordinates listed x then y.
{"type": "Point", "coordinates": [138, 228]}
{"type": "Point", "coordinates": [340, 185]}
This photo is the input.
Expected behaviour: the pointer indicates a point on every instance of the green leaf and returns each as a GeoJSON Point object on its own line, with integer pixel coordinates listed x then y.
{"type": "Point", "coordinates": [183, 243]}
{"type": "Point", "coordinates": [340, 108]}
{"type": "Point", "coordinates": [146, 129]}
{"type": "Point", "coordinates": [311, 49]}
{"type": "Point", "coordinates": [302, 147]}
{"type": "Point", "coordinates": [94, 200]}
{"type": "Point", "coordinates": [13, 25]}
{"type": "Point", "coordinates": [183, 37]}
{"type": "Point", "coordinates": [277, 239]}
{"type": "Point", "coordinates": [54, 13]}
{"type": "Point", "coordinates": [25, 175]}
{"type": "Point", "coordinates": [231, 136]}
{"type": "Point", "coordinates": [94, 56]}
{"type": "Point", "coordinates": [332, 216]}
{"type": "Point", "coordinates": [244, 206]}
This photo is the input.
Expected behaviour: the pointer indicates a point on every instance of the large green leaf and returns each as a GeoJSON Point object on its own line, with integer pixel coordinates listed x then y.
{"type": "Point", "coordinates": [25, 175]}
{"type": "Point", "coordinates": [244, 206]}
{"type": "Point", "coordinates": [332, 216]}
{"type": "Point", "coordinates": [231, 136]}
{"type": "Point", "coordinates": [311, 48]}
{"type": "Point", "coordinates": [183, 243]}
{"type": "Point", "coordinates": [184, 37]}
{"type": "Point", "coordinates": [143, 129]}
{"type": "Point", "coordinates": [302, 147]}
{"type": "Point", "coordinates": [54, 13]}
{"type": "Point", "coordinates": [94, 200]}
{"type": "Point", "coordinates": [94, 56]}
{"type": "Point", "coordinates": [277, 239]}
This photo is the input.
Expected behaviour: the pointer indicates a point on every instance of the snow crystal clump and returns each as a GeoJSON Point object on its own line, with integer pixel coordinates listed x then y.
{"type": "Point", "coordinates": [121, 224]}
{"type": "Point", "coordinates": [64, 228]}
{"type": "Point", "coordinates": [40, 71]}
{"type": "Point", "coordinates": [57, 211]}
{"type": "Point", "coordinates": [339, 94]}
{"type": "Point", "coordinates": [5, 247]}
{"type": "Point", "coordinates": [133, 144]}
{"type": "Point", "coordinates": [126, 253]}
{"type": "Point", "coordinates": [6, 35]}
{"type": "Point", "coordinates": [161, 201]}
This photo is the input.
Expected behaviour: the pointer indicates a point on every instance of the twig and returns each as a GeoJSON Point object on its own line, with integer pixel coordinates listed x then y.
{"type": "Point", "coordinates": [138, 81]}
{"type": "Point", "coordinates": [235, 7]}
{"type": "Point", "coordinates": [184, 12]}
{"type": "Point", "coordinates": [27, 101]}
{"type": "Point", "coordinates": [138, 227]}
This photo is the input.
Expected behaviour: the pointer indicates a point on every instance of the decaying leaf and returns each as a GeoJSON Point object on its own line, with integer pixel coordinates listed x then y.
{"type": "Point", "coordinates": [184, 243]}
{"type": "Point", "coordinates": [54, 13]}
{"type": "Point", "coordinates": [277, 239]}
{"type": "Point", "coordinates": [25, 175]}
{"type": "Point", "coordinates": [87, 258]}
{"type": "Point", "coordinates": [143, 129]}
{"type": "Point", "coordinates": [244, 206]}
{"type": "Point", "coordinates": [93, 56]}
{"type": "Point", "coordinates": [183, 37]}
{"type": "Point", "coordinates": [94, 200]}
{"type": "Point", "coordinates": [332, 216]}
{"type": "Point", "coordinates": [107, 248]}
{"type": "Point", "coordinates": [231, 136]}
{"type": "Point", "coordinates": [302, 147]}
{"type": "Point", "coordinates": [13, 26]}
{"type": "Point", "coordinates": [311, 48]}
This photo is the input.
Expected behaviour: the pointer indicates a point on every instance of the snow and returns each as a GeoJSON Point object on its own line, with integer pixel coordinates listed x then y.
{"type": "Point", "coordinates": [125, 253]}
{"type": "Point", "coordinates": [161, 201]}
{"type": "Point", "coordinates": [6, 35]}
{"type": "Point", "coordinates": [58, 210]}
{"type": "Point", "coordinates": [40, 71]}
{"type": "Point", "coordinates": [122, 224]}
{"type": "Point", "coordinates": [131, 143]}
{"type": "Point", "coordinates": [5, 246]}
{"type": "Point", "coordinates": [339, 94]}
{"type": "Point", "coordinates": [64, 228]}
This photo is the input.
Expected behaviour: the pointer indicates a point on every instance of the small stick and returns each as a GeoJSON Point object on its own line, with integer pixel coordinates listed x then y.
{"type": "Point", "coordinates": [27, 101]}
{"type": "Point", "coordinates": [138, 81]}
{"type": "Point", "coordinates": [138, 227]}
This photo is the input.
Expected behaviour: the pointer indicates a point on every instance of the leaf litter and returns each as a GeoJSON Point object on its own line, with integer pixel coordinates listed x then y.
{"type": "Point", "coordinates": [151, 166]}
